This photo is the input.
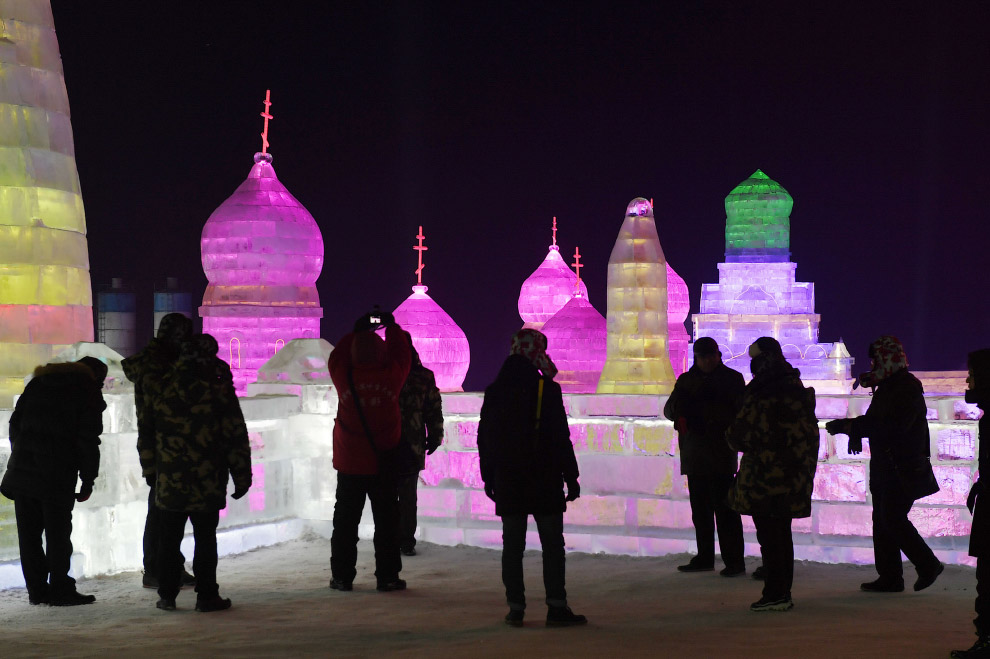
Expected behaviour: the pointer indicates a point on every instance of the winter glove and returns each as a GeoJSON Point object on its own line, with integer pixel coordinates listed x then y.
{"type": "Point", "coordinates": [84, 492]}
{"type": "Point", "coordinates": [490, 492]}
{"type": "Point", "coordinates": [573, 491]}
{"type": "Point", "coordinates": [974, 492]}
{"type": "Point", "coordinates": [431, 447]}
{"type": "Point", "coordinates": [838, 427]}
{"type": "Point", "coordinates": [150, 480]}
{"type": "Point", "coordinates": [855, 445]}
{"type": "Point", "coordinates": [239, 492]}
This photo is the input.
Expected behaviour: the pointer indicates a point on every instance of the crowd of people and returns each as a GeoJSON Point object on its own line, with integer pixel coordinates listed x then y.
{"type": "Point", "coordinates": [192, 440]}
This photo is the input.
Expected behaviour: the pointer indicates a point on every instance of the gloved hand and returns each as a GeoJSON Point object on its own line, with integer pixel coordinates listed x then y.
{"type": "Point", "coordinates": [238, 492]}
{"type": "Point", "coordinates": [573, 491]}
{"type": "Point", "coordinates": [490, 492]}
{"type": "Point", "coordinates": [150, 480]}
{"type": "Point", "coordinates": [855, 445]}
{"type": "Point", "coordinates": [974, 492]}
{"type": "Point", "coordinates": [84, 492]}
{"type": "Point", "coordinates": [387, 319]}
{"type": "Point", "coordinates": [838, 426]}
{"type": "Point", "coordinates": [431, 447]}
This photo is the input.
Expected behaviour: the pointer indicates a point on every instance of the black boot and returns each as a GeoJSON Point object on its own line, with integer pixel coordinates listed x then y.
{"type": "Point", "coordinates": [562, 616]}
{"type": "Point", "coordinates": [980, 650]}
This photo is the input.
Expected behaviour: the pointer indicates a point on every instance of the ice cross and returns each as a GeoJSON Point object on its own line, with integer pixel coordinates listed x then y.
{"type": "Point", "coordinates": [267, 115]}
{"type": "Point", "coordinates": [420, 248]}
{"type": "Point", "coordinates": [554, 231]}
{"type": "Point", "coordinates": [577, 267]}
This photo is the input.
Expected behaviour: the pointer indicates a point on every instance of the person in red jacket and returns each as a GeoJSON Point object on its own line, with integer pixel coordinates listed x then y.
{"type": "Point", "coordinates": [368, 374]}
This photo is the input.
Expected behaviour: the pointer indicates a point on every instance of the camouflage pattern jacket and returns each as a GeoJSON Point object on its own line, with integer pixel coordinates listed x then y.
{"type": "Point", "coordinates": [199, 437]}
{"type": "Point", "coordinates": [147, 370]}
{"type": "Point", "coordinates": [422, 416]}
{"type": "Point", "coordinates": [777, 432]}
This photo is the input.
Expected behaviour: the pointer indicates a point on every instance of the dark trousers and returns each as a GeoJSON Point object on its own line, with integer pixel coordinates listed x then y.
{"type": "Point", "coordinates": [893, 533]}
{"type": "Point", "coordinates": [777, 548]}
{"type": "Point", "coordinates": [982, 620]}
{"type": "Point", "coordinates": [172, 527]}
{"type": "Point", "coordinates": [383, 494]}
{"type": "Point", "coordinates": [152, 523]}
{"type": "Point", "coordinates": [551, 530]}
{"type": "Point", "coordinates": [34, 517]}
{"type": "Point", "coordinates": [407, 510]}
{"type": "Point", "coordinates": [708, 507]}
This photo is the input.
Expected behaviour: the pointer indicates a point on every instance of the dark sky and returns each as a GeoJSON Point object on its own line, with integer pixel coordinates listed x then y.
{"type": "Point", "coordinates": [482, 121]}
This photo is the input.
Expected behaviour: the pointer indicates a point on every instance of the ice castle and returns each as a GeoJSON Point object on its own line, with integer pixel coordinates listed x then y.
{"type": "Point", "coordinates": [548, 289]}
{"type": "Point", "coordinates": [757, 295]}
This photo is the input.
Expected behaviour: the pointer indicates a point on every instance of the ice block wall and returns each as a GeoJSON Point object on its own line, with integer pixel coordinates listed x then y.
{"type": "Point", "coordinates": [678, 307]}
{"type": "Point", "coordinates": [45, 293]}
{"type": "Point", "coordinates": [262, 253]}
{"type": "Point", "coordinates": [638, 360]}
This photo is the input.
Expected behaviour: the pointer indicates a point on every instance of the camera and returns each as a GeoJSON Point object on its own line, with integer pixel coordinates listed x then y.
{"type": "Point", "coordinates": [375, 320]}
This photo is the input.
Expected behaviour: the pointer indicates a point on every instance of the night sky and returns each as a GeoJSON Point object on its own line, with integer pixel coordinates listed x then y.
{"type": "Point", "coordinates": [482, 121]}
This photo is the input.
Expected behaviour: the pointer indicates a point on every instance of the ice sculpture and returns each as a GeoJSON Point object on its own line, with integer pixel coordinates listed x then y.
{"type": "Point", "coordinates": [548, 289]}
{"type": "Point", "coordinates": [116, 318]}
{"type": "Point", "coordinates": [678, 306]}
{"type": "Point", "coordinates": [757, 294]}
{"type": "Point", "coordinates": [45, 295]}
{"type": "Point", "coordinates": [441, 344]}
{"type": "Point", "coordinates": [262, 253]}
{"type": "Point", "coordinates": [576, 337]}
{"type": "Point", "coordinates": [638, 360]}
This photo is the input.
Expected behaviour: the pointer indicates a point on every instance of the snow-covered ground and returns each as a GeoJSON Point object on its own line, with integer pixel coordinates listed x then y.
{"type": "Point", "coordinates": [637, 607]}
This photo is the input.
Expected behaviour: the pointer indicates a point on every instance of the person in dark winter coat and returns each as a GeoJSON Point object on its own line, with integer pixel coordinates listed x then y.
{"type": "Point", "coordinates": [200, 442]}
{"type": "Point", "coordinates": [526, 458]}
{"type": "Point", "coordinates": [703, 403]}
{"type": "Point", "coordinates": [366, 433]}
{"type": "Point", "coordinates": [54, 439]}
{"type": "Point", "coordinates": [978, 394]}
{"type": "Point", "coordinates": [147, 371]}
{"type": "Point", "coordinates": [900, 471]}
{"type": "Point", "coordinates": [422, 433]}
{"type": "Point", "coordinates": [777, 432]}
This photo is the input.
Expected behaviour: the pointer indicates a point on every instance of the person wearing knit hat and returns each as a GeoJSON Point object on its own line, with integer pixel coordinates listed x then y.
{"type": "Point", "coordinates": [526, 457]}
{"type": "Point", "coordinates": [978, 393]}
{"type": "Point", "coordinates": [900, 466]}
{"type": "Point", "coordinates": [777, 432]}
{"type": "Point", "coordinates": [703, 403]}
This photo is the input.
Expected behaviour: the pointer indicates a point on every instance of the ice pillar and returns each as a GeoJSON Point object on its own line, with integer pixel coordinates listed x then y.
{"type": "Point", "coordinates": [638, 361]}
{"type": "Point", "coordinates": [45, 294]}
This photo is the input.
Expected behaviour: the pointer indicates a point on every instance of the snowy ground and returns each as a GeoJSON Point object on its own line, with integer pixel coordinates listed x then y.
{"type": "Point", "coordinates": [637, 607]}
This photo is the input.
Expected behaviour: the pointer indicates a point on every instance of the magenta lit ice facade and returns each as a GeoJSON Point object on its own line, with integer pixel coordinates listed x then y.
{"type": "Point", "coordinates": [757, 293]}
{"type": "Point", "coordinates": [678, 307]}
{"type": "Point", "coordinates": [576, 342]}
{"type": "Point", "coordinates": [442, 346]}
{"type": "Point", "coordinates": [547, 290]}
{"type": "Point", "coordinates": [262, 253]}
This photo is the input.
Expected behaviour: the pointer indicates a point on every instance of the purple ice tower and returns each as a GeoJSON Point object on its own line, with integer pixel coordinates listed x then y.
{"type": "Point", "coordinates": [262, 253]}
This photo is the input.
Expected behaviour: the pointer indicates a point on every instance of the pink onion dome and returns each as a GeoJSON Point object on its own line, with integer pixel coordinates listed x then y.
{"type": "Point", "coordinates": [442, 346]}
{"type": "Point", "coordinates": [547, 290]}
{"type": "Point", "coordinates": [678, 307]}
{"type": "Point", "coordinates": [576, 342]}
{"type": "Point", "coordinates": [262, 252]}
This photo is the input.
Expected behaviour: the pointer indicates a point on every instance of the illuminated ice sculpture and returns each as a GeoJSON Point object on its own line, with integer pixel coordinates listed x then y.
{"type": "Point", "coordinates": [678, 307]}
{"type": "Point", "coordinates": [757, 295]}
{"type": "Point", "coordinates": [548, 289]}
{"type": "Point", "coordinates": [442, 346]}
{"type": "Point", "coordinates": [46, 298]}
{"type": "Point", "coordinates": [262, 253]}
{"type": "Point", "coordinates": [576, 337]}
{"type": "Point", "coordinates": [638, 360]}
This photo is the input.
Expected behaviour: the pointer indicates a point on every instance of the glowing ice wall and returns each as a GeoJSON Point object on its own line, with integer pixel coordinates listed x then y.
{"type": "Point", "coordinates": [678, 306]}
{"type": "Point", "coordinates": [45, 294]}
{"type": "Point", "coordinates": [638, 361]}
{"type": "Point", "coordinates": [576, 342]}
{"type": "Point", "coordinates": [442, 346]}
{"type": "Point", "coordinates": [262, 253]}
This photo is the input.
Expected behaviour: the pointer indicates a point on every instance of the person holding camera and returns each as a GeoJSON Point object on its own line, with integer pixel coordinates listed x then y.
{"type": "Point", "coordinates": [54, 439]}
{"type": "Point", "coordinates": [368, 374]}
{"type": "Point", "coordinates": [900, 470]}
{"type": "Point", "coordinates": [200, 442]}
{"type": "Point", "coordinates": [526, 455]}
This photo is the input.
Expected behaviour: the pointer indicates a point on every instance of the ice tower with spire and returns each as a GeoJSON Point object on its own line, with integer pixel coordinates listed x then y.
{"type": "Point", "coordinates": [442, 345]}
{"type": "Point", "coordinates": [262, 253]}
{"type": "Point", "coordinates": [548, 289]}
{"type": "Point", "coordinates": [757, 295]}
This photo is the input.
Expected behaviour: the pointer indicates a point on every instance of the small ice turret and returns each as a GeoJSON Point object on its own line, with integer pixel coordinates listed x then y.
{"type": "Point", "coordinates": [638, 359]}
{"type": "Point", "coordinates": [548, 289]}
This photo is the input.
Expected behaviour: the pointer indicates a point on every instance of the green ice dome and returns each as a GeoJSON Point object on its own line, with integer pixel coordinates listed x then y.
{"type": "Point", "coordinates": [757, 221]}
